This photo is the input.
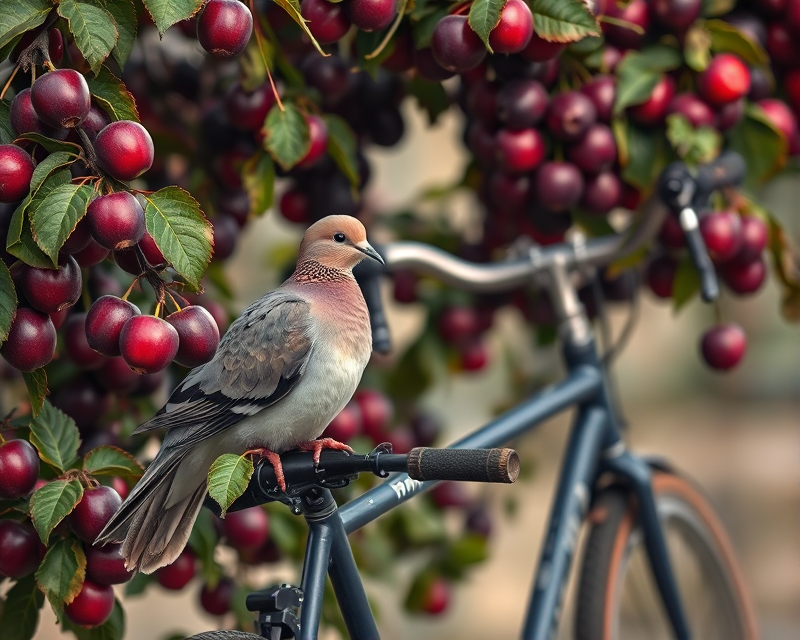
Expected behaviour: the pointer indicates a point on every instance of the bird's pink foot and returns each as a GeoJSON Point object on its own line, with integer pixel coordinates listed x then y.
{"type": "Point", "coordinates": [275, 460]}
{"type": "Point", "coordinates": [323, 443]}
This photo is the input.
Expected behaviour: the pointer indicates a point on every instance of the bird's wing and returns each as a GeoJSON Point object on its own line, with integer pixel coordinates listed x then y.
{"type": "Point", "coordinates": [261, 358]}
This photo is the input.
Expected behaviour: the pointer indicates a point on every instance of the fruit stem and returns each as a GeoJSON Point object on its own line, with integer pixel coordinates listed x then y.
{"type": "Point", "coordinates": [133, 284]}
{"type": "Point", "coordinates": [400, 15]}
{"type": "Point", "coordinates": [619, 22]}
{"type": "Point", "coordinates": [174, 302]}
{"type": "Point", "coordinates": [88, 147]}
{"type": "Point", "coordinates": [8, 82]}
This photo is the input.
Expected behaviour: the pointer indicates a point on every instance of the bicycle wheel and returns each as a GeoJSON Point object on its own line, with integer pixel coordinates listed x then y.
{"type": "Point", "coordinates": [617, 595]}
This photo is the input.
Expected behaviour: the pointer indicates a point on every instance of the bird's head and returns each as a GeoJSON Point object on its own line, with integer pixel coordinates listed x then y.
{"type": "Point", "coordinates": [337, 241]}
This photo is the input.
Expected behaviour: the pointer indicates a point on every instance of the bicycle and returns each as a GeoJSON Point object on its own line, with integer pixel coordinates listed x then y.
{"type": "Point", "coordinates": [643, 513]}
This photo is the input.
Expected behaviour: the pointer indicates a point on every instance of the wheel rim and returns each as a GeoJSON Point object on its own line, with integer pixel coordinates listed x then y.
{"type": "Point", "coordinates": [711, 607]}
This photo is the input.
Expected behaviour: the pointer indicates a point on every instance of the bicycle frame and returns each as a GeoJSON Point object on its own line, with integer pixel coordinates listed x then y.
{"type": "Point", "coordinates": [595, 447]}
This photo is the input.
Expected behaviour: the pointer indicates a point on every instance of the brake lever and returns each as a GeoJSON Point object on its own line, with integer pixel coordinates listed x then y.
{"type": "Point", "coordinates": [368, 274]}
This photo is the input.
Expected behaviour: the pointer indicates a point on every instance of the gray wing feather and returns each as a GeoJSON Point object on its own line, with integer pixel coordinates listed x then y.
{"type": "Point", "coordinates": [260, 359]}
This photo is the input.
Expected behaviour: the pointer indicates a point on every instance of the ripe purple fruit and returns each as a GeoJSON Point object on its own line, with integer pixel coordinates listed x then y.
{"type": "Point", "coordinates": [318, 133]}
{"type": "Point", "coordinates": [23, 116]}
{"type": "Point", "coordinates": [19, 469]}
{"type": "Point", "coordinates": [541, 50]}
{"type": "Point", "coordinates": [177, 575]}
{"type": "Point", "coordinates": [52, 290]}
{"type": "Point", "coordinates": [722, 233]}
{"type": "Point", "coordinates": [76, 344]}
{"type": "Point", "coordinates": [224, 27]}
{"type": "Point", "coordinates": [602, 91]}
{"type": "Point", "coordinates": [327, 21]}
{"type": "Point", "coordinates": [96, 120]}
{"type": "Point", "coordinates": [678, 14]}
{"type": "Point", "coordinates": [596, 151]}
{"type": "Point", "coordinates": [755, 236]}
{"type": "Point", "coordinates": [248, 110]}
{"type": "Point", "coordinates": [652, 111]}
{"type": "Point", "coordinates": [519, 151]}
{"type": "Point", "coordinates": [116, 220]}
{"type": "Point", "coordinates": [745, 277]}
{"type": "Point", "coordinates": [246, 529]}
{"type": "Point", "coordinates": [521, 103]}
{"type": "Point", "coordinates": [124, 149]}
{"type": "Point", "coordinates": [725, 79]}
{"type": "Point", "coordinates": [620, 34]}
{"type": "Point", "coordinates": [558, 185]}
{"type": "Point", "coordinates": [105, 565]}
{"type": "Point", "coordinates": [19, 549]}
{"type": "Point", "coordinates": [31, 340]}
{"type": "Point", "coordinates": [198, 334]}
{"type": "Point", "coordinates": [104, 323]}
{"type": "Point", "coordinates": [61, 98]}
{"type": "Point", "coordinates": [16, 171]}
{"type": "Point", "coordinates": [723, 346]}
{"type": "Point", "coordinates": [93, 512]}
{"type": "Point", "coordinates": [217, 600]}
{"type": "Point", "coordinates": [601, 193]}
{"type": "Point", "coordinates": [456, 47]}
{"type": "Point", "coordinates": [148, 343]}
{"type": "Point", "coordinates": [370, 15]}
{"type": "Point", "coordinates": [514, 30]}
{"type": "Point", "coordinates": [570, 115]}
{"type": "Point", "coordinates": [92, 606]}
{"type": "Point", "coordinates": [697, 112]}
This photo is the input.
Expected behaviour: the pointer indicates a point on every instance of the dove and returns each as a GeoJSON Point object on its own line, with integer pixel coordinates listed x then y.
{"type": "Point", "coordinates": [281, 373]}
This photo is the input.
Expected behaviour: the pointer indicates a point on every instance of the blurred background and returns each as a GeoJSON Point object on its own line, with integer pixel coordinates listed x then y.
{"type": "Point", "coordinates": [738, 433]}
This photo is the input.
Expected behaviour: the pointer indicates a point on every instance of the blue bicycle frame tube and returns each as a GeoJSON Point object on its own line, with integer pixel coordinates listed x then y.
{"type": "Point", "coordinates": [583, 383]}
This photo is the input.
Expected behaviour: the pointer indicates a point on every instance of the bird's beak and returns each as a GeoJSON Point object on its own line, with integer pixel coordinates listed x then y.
{"type": "Point", "coordinates": [367, 249]}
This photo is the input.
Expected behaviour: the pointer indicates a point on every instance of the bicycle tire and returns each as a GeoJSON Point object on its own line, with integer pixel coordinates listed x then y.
{"type": "Point", "coordinates": [225, 635]}
{"type": "Point", "coordinates": [617, 596]}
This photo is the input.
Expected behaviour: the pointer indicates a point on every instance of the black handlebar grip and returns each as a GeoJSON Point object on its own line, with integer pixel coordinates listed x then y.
{"type": "Point", "coordinates": [473, 465]}
{"type": "Point", "coordinates": [709, 284]}
{"type": "Point", "coordinates": [368, 273]}
{"type": "Point", "coordinates": [728, 170]}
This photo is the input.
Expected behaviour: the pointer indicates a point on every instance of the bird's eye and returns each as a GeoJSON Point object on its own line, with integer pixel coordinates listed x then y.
{"type": "Point", "coordinates": [339, 237]}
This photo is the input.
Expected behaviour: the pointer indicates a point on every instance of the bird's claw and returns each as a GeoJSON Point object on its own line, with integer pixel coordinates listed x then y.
{"type": "Point", "coordinates": [323, 443]}
{"type": "Point", "coordinates": [275, 460]}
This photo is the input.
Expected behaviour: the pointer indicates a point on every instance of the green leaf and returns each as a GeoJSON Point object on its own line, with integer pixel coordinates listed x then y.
{"type": "Point", "coordinates": [52, 503]}
{"type": "Point", "coordinates": [113, 96]}
{"type": "Point", "coordinates": [646, 154]}
{"type": "Point", "coordinates": [49, 165]}
{"type": "Point", "coordinates": [50, 145]}
{"type": "Point", "coordinates": [640, 71]}
{"type": "Point", "coordinates": [714, 8]}
{"type": "Point", "coordinates": [228, 478]}
{"type": "Point", "coordinates": [54, 217]}
{"type": "Point", "coordinates": [20, 242]}
{"type": "Point", "coordinates": [292, 7]}
{"type": "Point", "coordinates": [7, 134]}
{"type": "Point", "coordinates": [431, 97]}
{"type": "Point", "coordinates": [180, 231]}
{"type": "Point", "coordinates": [726, 37]}
{"type": "Point", "coordinates": [94, 28]}
{"type": "Point", "coordinates": [258, 178]}
{"type": "Point", "coordinates": [56, 437]}
{"type": "Point", "coordinates": [286, 135]}
{"type": "Point", "coordinates": [697, 47]}
{"type": "Point", "coordinates": [342, 146]}
{"type": "Point", "coordinates": [20, 611]}
{"type": "Point", "coordinates": [484, 16]}
{"type": "Point", "coordinates": [763, 147]}
{"type": "Point", "coordinates": [8, 301]}
{"type": "Point", "coordinates": [124, 14]}
{"type": "Point", "coordinates": [111, 629]}
{"type": "Point", "coordinates": [63, 569]}
{"type": "Point", "coordinates": [106, 460]}
{"type": "Point", "coordinates": [686, 283]}
{"type": "Point", "coordinates": [19, 16]}
{"type": "Point", "coordinates": [36, 381]}
{"type": "Point", "coordinates": [694, 146]}
{"type": "Point", "coordinates": [563, 20]}
{"type": "Point", "coordinates": [165, 13]}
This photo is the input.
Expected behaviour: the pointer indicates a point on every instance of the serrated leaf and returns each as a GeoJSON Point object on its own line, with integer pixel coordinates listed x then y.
{"type": "Point", "coordinates": [56, 437]}
{"type": "Point", "coordinates": [431, 97]}
{"type": "Point", "coordinates": [19, 16]}
{"type": "Point", "coordinates": [50, 164]}
{"type": "Point", "coordinates": [20, 242]}
{"type": "Point", "coordinates": [106, 460]}
{"type": "Point", "coordinates": [228, 478]}
{"type": "Point", "coordinates": [61, 574]}
{"type": "Point", "coordinates": [484, 16]}
{"type": "Point", "coordinates": [20, 611]}
{"type": "Point", "coordinates": [165, 13]}
{"type": "Point", "coordinates": [640, 71]}
{"type": "Point", "coordinates": [111, 629]}
{"type": "Point", "coordinates": [563, 20]}
{"type": "Point", "coordinates": [286, 135]}
{"type": "Point", "coordinates": [697, 47]}
{"type": "Point", "coordinates": [50, 145]}
{"type": "Point", "coordinates": [686, 283]}
{"type": "Point", "coordinates": [36, 381]}
{"type": "Point", "coordinates": [726, 37]}
{"type": "Point", "coordinates": [8, 301]}
{"type": "Point", "coordinates": [180, 231]}
{"type": "Point", "coordinates": [54, 217]}
{"type": "Point", "coordinates": [52, 503]}
{"type": "Point", "coordinates": [124, 14]}
{"type": "Point", "coordinates": [342, 146]}
{"type": "Point", "coordinates": [258, 179]}
{"type": "Point", "coordinates": [7, 134]}
{"type": "Point", "coordinates": [292, 7]}
{"type": "Point", "coordinates": [760, 143]}
{"type": "Point", "coordinates": [94, 29]}
{"type": "Point", "coordinates": [113, 96]}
